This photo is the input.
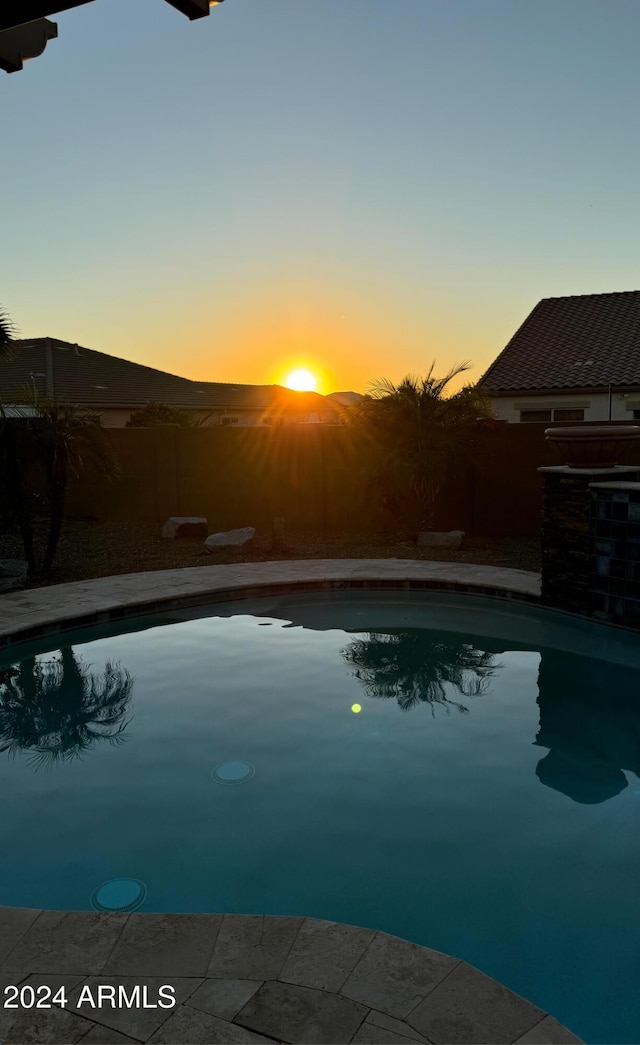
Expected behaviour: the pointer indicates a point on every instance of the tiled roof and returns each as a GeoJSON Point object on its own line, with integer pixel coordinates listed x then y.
{"type": "Point", "coordinates": [93, 379]}
{"type": "Point", "coordinates": [582, 341]}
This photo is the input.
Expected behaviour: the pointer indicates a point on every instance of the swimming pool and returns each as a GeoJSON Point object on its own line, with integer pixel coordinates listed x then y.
{"type": "Point", "coordinates": [450, 769]}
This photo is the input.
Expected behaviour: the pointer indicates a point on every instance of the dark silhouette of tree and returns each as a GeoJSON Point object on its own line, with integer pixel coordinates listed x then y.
{"type": "Point", "coordinates": [416, 436]}
{"type": "Point", "coordinates": [16, 456]}
{"type": "Point", "coordinates": [414, 666]}
{"type": "Point", "coordinates": [63, 443]}
{"type": "Point", "coordinates": [8, 341]}
{"type": "Point", "coordinates": [59, 709]}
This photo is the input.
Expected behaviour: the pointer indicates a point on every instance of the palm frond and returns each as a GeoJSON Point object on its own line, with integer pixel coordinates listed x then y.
{"type": "Point", "coordinates": [414, 667]}
{"type": "Point", "coordinates": [415, 436]}
{"type": "Point", "coordinates": [56, 710]}
{"type": "Point", "coordinates": [9, 343]}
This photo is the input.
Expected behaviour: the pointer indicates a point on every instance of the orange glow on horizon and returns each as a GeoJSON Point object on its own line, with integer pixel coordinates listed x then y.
{"type": "Point", "coordinates": [262, 335]}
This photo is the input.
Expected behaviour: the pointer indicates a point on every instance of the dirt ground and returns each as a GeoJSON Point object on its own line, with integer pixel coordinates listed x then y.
{"type": "Point", "coordinates": [91, 549]}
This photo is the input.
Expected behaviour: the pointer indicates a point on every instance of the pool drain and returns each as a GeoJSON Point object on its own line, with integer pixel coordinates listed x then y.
{"type": "Point", "coordinates": [120, 894]}
{"type": "Point", "coordinates": [233, 772]}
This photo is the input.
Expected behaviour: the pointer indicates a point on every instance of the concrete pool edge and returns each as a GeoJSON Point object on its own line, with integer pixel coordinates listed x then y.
{"type": "Point", "coordinates": [252, 978]}
{"type": "Point", "coordinates": [36, 612]}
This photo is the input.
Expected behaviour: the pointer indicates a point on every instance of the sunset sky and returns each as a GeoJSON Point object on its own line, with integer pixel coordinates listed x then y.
{"type": "Point", "coordinates": [355, 187]}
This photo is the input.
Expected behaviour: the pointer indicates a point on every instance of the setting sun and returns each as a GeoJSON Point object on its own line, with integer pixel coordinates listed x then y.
{"type": "Point", "coordinates": [301, 381]}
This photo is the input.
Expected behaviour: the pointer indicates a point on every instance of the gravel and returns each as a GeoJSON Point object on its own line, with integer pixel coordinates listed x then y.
{"type": "Point", "coordinates": [102, 549]}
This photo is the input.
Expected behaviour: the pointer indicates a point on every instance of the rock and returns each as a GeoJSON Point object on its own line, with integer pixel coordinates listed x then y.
{"type": "Point", "coordinates": [230, 537]}
{"type": "Point", "coordinates": [191, 526]}
{"type": "Point", "coordinates": [13, 574]}
{"type": "Point", "coordinates": [452, 539]}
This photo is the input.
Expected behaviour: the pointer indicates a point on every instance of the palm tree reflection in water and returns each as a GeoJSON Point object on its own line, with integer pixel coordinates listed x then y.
{"type": "Point", "coordinates": [414, 667]}
{"type": "Point", "coordinates": [58, 709]}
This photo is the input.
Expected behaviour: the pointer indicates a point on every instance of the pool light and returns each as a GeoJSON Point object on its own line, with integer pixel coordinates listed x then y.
{"type": "Point", "coordinates": [120, 894]}
{"type": "Point", "coordinates": [233, 773]}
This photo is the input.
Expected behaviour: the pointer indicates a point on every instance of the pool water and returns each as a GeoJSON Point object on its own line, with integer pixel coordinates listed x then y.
{"type": "Point", "coordinates": [453, 770]}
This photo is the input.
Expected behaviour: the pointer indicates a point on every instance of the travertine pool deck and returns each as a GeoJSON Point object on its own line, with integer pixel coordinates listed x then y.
{"type": "Point", "coordinates": [244, 978]}
{"type": "Point", "coordinates": [241, 978]}
{"type": "Point", "coordinates": [38, 611]}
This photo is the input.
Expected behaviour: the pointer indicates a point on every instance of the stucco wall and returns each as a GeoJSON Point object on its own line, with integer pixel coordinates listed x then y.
{"type": "Point", "coordinates": [595, 405]}
{"type": "Point", "coordinates": [112, 418]}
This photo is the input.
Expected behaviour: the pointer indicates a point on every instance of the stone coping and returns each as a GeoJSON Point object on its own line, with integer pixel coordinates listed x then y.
{"type": "Point", "coordinates": [36, 612]}
{"type": "Point", "coordinates": [566, 469]}
{"type": "Point", "coordinates": [248, 978]}
{"type": "Point", "coordinates": [614, 485]}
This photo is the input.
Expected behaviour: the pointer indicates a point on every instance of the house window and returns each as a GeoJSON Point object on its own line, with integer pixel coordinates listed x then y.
{"type": "Point", "coordinates": [568, 415]}
{"type": "Point", "coordinates": [230, 420]}
{"type": "Point", "coordinates": [636, 415]}
{"type": "Point", "coordinates": [535, 415]}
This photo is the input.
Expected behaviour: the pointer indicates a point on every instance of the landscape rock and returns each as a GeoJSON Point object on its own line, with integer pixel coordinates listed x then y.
{"type": "Point", "coordinates": [13, 574]}
{"type": "Point", "coordinates": [451, 539]}
{"type": "Point", "coordinates": [191, 526]}
{"type": "Point", "coordinates": [230, 537]}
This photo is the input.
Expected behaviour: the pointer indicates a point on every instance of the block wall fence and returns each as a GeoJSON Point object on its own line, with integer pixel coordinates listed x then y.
{"type": "Point", "coordinates": [313, 475]}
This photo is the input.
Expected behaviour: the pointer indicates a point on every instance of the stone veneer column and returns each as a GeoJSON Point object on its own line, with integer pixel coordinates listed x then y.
{"type": "Point", "coordinates": [615, 565]}
{"type": "Point", "coordinates": [567, 539]}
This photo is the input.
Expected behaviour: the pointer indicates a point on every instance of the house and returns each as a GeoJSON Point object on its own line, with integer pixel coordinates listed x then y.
{"type": "Point", "coordinates": [574, 358]}
{"type": "Point", "coordinates": [114, 388]}
{"type": "Point", "coordinates": [346, 398]}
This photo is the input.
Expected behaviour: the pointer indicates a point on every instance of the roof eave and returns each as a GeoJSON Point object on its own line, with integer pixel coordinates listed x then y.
{"type": "Point", "coordinates": [562, 389]}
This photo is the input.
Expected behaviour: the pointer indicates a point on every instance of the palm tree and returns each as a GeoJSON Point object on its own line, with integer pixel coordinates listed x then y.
{"type": "Point", "coordinates": [7, 337]}
{"type": "Point", "coordinates": [417, 436]}
{"type": "Point", "coordinates": [16, 457]}
{"type": "Point", "coordinates": [70, 442]}
{"type": "Point", "coordinates": [58, 709]}
{"type": "Point", "coordinates": [8, 342]}
{"type": "Point", "coordinates": [413, 666]}
{"type": "Point", "coordinates": [65, 443]}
